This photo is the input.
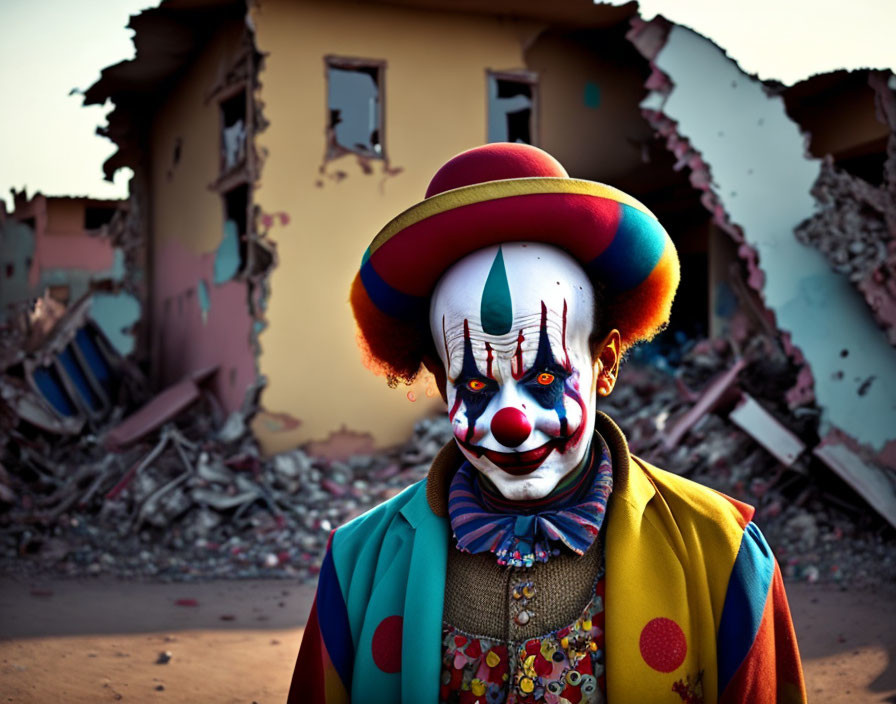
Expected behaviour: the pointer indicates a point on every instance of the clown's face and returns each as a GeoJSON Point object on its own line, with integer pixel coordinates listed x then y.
{"type": "Point", "coordinates": [512, 327]}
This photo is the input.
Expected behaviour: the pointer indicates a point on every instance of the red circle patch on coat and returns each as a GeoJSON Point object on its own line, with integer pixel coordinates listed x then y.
{"type": "Point", "coordinates": [386, 644]}
{"type": "Point", "coordinates": [663, 645]}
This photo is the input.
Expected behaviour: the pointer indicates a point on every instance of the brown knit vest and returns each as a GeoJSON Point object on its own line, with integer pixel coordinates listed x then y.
{"type": "Point", "coordinates": [485, 599]}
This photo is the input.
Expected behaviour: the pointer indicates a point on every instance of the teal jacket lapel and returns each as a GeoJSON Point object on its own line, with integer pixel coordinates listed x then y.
{"type": "Point", "coordinates": [392, 562]}
{"type": "Point", "coordinates": [421, 645]}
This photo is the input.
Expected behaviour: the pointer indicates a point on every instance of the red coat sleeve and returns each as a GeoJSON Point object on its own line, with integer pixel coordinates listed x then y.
{"type": "Point", "coordinates": [759, 660]}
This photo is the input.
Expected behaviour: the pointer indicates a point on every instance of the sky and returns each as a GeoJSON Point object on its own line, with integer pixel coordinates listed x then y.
{"type": "Point", "coordinates": [789, 40]}
{"type": "Point", "coordinates": [50, 47]}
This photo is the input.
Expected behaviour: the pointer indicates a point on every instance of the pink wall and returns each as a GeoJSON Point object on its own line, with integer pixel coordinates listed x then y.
{"type": "Point", "coordinates": [83, 252]}
{"type": "Point", "coordinates": [187, 338]}
{"type": "Point", "coordinates": [72, 250]}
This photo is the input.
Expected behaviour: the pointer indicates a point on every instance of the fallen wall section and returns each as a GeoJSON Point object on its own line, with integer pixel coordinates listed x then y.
{"type": "Point", "coordinates": [750, 160]}
{"type": "Point", "coordinates": [763, 179]}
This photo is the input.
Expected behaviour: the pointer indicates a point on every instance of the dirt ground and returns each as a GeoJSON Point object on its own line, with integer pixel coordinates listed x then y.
{"type": "Point", "coordinates": [97, 641]}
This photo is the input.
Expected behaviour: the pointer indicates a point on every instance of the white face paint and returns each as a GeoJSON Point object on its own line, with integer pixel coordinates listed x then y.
{"type": "Point", "coordinates": [512, 326]}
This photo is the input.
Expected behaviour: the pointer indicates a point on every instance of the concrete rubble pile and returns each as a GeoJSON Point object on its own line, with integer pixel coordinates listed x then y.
{"type": "Point", "coordinates": [851, 229]}
{"type": "Point", "coordinates": [178, 490]}
{"type": "Point", "coordinates": [855, 227]}
{"type": "Point", "coordinates": [192, 501]}
{"type": "Point", "coordinates": [99, 476]}
{"type": "Point", "coordinates": [856, 230]}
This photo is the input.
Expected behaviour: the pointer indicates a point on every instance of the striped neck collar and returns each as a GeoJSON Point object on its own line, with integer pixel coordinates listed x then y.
{"type": "Point", "coordinates": [522, 533]}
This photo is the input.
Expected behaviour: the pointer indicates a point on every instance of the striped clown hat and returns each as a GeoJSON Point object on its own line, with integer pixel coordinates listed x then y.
{"type": "Point", "coordinates": [501, 193]}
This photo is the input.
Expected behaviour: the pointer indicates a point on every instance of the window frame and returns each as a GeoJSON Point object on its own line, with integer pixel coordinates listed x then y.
{"type": "Point", "coordinates": [334, 150]}
{"type": "Point", "coordinates": [530, 78]}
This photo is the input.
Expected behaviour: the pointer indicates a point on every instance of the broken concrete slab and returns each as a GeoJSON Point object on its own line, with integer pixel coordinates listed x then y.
{"type": "Point", "coordinates": [709, 399]}
{"type": "Point", "coordinates": [31, 407]}
{"type": "Point", "coordinates": [870, 482]}
{"type": "Point", "coordinates": [767, 430]}
{"type": "Point", "coordinates": [153, 415]}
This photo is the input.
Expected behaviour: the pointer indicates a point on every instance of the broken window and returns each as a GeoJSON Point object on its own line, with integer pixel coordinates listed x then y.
{"type": "Point", "coordinates": [236, 219]}
{"type": "Point", "coordinates": [236, 120]}
{"type": "Point", "coordinates": [234, 130]}
{"type": "Point", "coordinates": [354, 101]}
{"type": "Point", "coordinates": [96, 217]}
{"type": "Point", "coordinates": [512, 107]}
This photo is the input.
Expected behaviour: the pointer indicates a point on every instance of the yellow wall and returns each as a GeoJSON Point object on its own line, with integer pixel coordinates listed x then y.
{"type": "Point", "coordinates": [435, 107]}
{"type": "Point", "coordinates": [184, 208]}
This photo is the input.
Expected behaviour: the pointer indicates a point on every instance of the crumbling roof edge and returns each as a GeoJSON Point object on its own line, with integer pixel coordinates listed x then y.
{"type": "Point", "coordinates": [773, 84]}
{"type": "Point", "coordinates": [564, 14]}
{"type": "Point", "coordinates": [722, 49]}
{"type": "Point", "coordinates": [93, 95]}
{"type": "Point", "coordinates": [69, 196]}
{"type": "Point", "coordinates": [180, 30]}
{"type": "Point", "coordinates": [846, 71]}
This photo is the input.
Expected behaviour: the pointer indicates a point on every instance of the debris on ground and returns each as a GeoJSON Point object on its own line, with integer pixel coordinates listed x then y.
{"type": "Point", "coordinates": [169, 487]}
{"type": "Point", "coordinates": [189, 501]}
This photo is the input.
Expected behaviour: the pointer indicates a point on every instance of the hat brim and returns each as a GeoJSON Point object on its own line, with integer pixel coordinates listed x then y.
{"type": "Point", "coordinates": [612, 235]}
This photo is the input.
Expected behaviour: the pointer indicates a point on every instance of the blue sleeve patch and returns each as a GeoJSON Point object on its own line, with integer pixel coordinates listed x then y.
{"type": "Point", "coordinates": [333, 621]}
{"type": "Point", "coordinates": [389, 300]}
{"type": "Point", "coordinates": [748, 587]}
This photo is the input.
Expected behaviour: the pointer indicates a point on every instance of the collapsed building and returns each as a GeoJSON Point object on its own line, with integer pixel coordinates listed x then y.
{"type": "Point", "coordinates": [270, 140]}
{"type": "Point", "coordinates": [69, 306]}
{"type": "Point", "coordinates": [63, 248]}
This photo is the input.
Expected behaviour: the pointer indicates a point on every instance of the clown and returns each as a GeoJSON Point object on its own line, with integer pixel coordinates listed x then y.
{"type": "Point", "coordinates": [521, 384]}
{"type": "Point", "coordinates": [539, 561]}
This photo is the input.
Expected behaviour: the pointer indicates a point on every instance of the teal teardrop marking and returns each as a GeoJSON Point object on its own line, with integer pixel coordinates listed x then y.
{"type": "Point", "coordinates": [496, 308]}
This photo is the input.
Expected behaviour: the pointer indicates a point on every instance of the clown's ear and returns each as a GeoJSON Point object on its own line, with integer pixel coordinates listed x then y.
{"type": "Point", "coordinates": [607, 356]}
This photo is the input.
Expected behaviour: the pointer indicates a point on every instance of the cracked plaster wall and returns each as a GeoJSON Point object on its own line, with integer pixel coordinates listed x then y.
{"type": "Point", "coordinates": [435, 107]}
{"type": "Point", "coordinates": [190, 332]}
{"type": "Point", "coordinates": [762, 175]}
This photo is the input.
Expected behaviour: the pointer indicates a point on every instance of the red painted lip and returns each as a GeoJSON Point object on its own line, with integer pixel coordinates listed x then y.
{"type": "Point", "coordinates": [516, 463]}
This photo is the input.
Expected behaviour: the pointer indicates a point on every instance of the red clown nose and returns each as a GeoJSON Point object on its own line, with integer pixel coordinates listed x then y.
{"type": "Point", "coordinates": [511, 427]}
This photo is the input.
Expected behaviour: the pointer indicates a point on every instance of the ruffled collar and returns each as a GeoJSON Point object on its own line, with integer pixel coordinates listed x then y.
{"type": "Point", "coordinates": [523, 533]}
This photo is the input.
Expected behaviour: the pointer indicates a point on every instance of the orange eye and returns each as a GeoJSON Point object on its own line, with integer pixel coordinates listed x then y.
{"type": "Point", "coordinates": [475, 385]}
{"type": "Point", "coordinates": [545, 379]}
